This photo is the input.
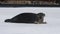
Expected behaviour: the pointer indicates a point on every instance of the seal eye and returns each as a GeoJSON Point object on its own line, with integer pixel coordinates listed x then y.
{"type": "Point", "coordinates": [41, 15]}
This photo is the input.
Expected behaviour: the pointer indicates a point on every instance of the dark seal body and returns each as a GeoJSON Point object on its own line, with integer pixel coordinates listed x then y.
{"type": "Point", "coordinates": [23, 18]}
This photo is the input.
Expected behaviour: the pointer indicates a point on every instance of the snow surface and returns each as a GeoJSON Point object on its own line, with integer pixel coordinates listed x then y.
{"type": "Point", "coordinates": [52, 18]}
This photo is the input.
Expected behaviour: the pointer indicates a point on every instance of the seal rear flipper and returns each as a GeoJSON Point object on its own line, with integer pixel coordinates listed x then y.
{"type": "Point", "coordinates": [8, 20]}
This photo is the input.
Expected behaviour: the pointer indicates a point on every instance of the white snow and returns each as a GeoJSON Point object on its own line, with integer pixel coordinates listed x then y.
{"type": "Point", "coordinates": [52, 18]}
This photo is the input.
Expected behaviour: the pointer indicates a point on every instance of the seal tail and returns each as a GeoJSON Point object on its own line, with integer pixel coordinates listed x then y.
{"type": "Point", "coordinates": [8, 20]}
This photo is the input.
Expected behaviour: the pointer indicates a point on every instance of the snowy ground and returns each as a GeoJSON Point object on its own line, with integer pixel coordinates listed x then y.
{"type": "Point", "coordinates": [52, 18]}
